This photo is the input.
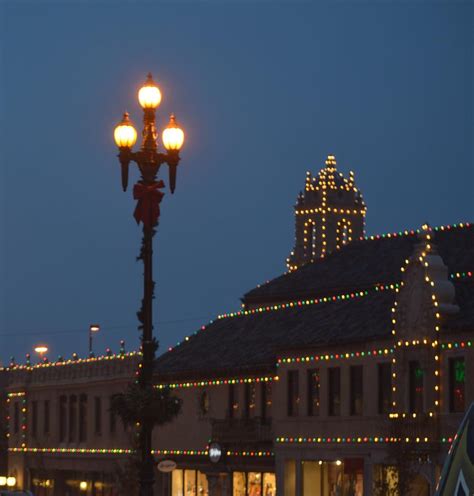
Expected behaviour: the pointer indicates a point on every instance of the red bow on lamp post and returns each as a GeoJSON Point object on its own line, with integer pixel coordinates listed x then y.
{"type": "Point", "coordinates": [148, 207]}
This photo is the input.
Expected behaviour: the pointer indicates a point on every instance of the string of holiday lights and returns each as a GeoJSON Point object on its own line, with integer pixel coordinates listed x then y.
{"type": "Point", "coordinates": [217, 382]}
{"type": "Point", "coordinates": [292, 304]}
{"type": "Point", "coordinates": [73, 361]}
{"type": "Point", "coordinates": [462, 275]}
{"type": "Point", "coordinates": [335, 356]}
{"type": "Point", "coordinates": [125, 451]}
{"type": "Point", "coordinates": [421, 259]}
{"type": "Point", "coordinates": [74, 451]}
{"type": "Point", "coordinates": [313, 301]}
{"type": "Point", "coordinates": [360, 440]}
{"type": "Point", "coordinates": [453, 345]}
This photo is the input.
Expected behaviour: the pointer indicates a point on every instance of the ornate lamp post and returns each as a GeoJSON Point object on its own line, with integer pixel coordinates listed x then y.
{"type": "Point", "coordinates": [148, 195]}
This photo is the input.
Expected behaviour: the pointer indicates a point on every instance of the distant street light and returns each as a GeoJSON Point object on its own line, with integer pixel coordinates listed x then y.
{"type": "Point", "coordinates": [147, 192]}
{"type": "Point", "coordinates": [41, 349]}
{"type": "Point", "coordinates": [92, 329]}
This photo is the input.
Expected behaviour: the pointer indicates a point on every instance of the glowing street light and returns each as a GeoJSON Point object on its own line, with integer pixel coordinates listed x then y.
{"type": "Point", "coordinates": [41, 349]}
{"type": "Point", "coordinates": [92, 329]}
{"type": "Point", "coordinates": [11, 481]}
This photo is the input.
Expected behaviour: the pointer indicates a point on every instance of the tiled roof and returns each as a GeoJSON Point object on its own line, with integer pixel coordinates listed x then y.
{"type": "Point", "coordinates": [362, 264]}
{"type": "Point", "coordinates": [252, 341]}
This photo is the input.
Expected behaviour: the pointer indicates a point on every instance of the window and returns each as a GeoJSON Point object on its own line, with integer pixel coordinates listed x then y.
{"type": "Point", "coordinates": [314, 383]}
{"type": "Point", "coordinates": [112, 417]}
{"type": "Point", "coordinates": [46, 417]}
{"type": "Point", "coordinates": [233, 400]}
{"type": "Point", "coordinates": [16, 417]}
{"type": "Point", "coordinates": [416, 387]}
{"type": "Point", "coordinates": [249, 405]}
{"type": "Point", "coordinates": [98, 415]}
{"type": "Point", "coordinates": [293, 393]}
{"type": "Point", "coordinates": [62, 418]}
{"type": "Point", "coordinates": [204, 403]}
{"type": "Point", "coordinates": [34, 418]}
{"type": "Point", "coordinates": [253, 484]}
{"type": "Point", "coordinates": [384, 371]}
{"type": "Point", "coordinates": [456, 384]}
{"type": "Point", "coordinates": [188, 483]}
{"type": "Point", "coordinates": [334, 391]}
{"type": "Point", "coordinates": [82, 418]}
{"type": "Point", "coordinates": [266, 404]}
{"type": "Point", "coordinates": [357, 394]}
{"type": "Point", "coordinates": [72, 417]}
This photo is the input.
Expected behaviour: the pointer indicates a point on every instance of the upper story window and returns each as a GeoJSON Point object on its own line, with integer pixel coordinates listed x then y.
{"type": "Point", "coordinates": [314, 383]}
{"type": "Point", "coordinates": [16, 417]}
{"type": "Point", "coordinates": [72, 417]}
{"type": "Point", "coordinates": [82, 418]}
{"type": "Point", "coordinates": [62, 418]}
{"type": "Point", "coordinates": [384, 372]}
{"type": "Point", "coordinates": [457, 379]}
{"type": "Point", "coordinates": [112, 417]}
{"type": "Point", "coordinates": [233, 405]}
{"type": "Point", "coordinates": [266, 403]}
{"type": "Point", "coordinates": [416, 387]}
{"type": "Point", "coordinates": [334, 391]}
{"type": "Point", "coordinates": [46, 417]}
{"type": "Point", "coordinates": [357, 393]}
{"type": "Point", "coordinates": [204, 403]}
{"type": "Point", "coordinates": [293, 393]}
{"type": "Point", "coordinates": [98, 415]}
{"type": "Point", "coordinates": [34, 418]}
{"type": "Point", "coordinates": [249, 397]}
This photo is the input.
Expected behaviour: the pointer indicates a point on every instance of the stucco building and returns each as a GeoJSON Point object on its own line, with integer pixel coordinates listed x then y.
{"type": "Point", "coordinates": [352, 362]}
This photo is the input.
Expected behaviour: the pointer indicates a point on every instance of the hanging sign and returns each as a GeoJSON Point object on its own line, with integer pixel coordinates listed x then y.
{"type": "Point", "coordinates": [215, 452]}
{"type": "Point", "coordinates": [166, 466]}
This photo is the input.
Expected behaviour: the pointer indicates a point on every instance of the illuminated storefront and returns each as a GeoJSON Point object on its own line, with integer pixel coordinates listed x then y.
{"type": "Point", "coordinates": [195, 483]}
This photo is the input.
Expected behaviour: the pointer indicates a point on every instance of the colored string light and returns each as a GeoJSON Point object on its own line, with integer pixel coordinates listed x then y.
{"type": "Point", "coordinates": [336, 356]}
{"type": "Point", "coordinates": [216, 382]}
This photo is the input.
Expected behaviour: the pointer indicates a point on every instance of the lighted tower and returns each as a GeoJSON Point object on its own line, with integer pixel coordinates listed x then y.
{"type": "Point", "coordinates": [328, 214]}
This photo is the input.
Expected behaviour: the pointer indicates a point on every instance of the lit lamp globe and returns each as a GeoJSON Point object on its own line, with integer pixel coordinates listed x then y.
{"type": "Point", "coordinates": [149, 95]}
{"type": "Point", "coordinates": [11, 481]}
{"type": "Point", "coordinates": [173, 136]}
{"type": "Point", "coordinates": [125, 135]}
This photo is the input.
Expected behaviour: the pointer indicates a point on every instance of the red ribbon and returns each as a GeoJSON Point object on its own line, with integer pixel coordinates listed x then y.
{"type": "Point", "coordinates": [148, 206]}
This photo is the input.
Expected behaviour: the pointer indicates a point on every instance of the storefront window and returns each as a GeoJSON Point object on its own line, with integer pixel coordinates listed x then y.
{"type": "Point", "coordinates": [269, 485]}
{"type": "Point", "coordinates": [177, 483]}
{"type": "Point", "coordinates": [313, 480]}
{"type": "Point", "coordinates": [290, 478]}
{"type": "Point", "coordinates": [238, 480]}
{"type": "Point", "coordinates": [254, 484]}
{"type": "Point", "coordinates": [189, 483]}
{"type": "Point", "coordinates": [202, 485]}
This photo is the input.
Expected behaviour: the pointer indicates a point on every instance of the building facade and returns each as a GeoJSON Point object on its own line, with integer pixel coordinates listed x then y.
{"type": "Point", "coordinates": [345, 376]}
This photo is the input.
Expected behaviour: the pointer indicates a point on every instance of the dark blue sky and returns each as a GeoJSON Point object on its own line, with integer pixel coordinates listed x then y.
{"type": "Point", "coordinates": [265, 90]}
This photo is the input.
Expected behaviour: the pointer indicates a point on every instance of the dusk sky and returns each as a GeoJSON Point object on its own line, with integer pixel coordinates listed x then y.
{"type": "Point", "coordinates": [265, 91]}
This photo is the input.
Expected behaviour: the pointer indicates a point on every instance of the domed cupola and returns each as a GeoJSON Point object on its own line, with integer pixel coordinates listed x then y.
{"type": "Point", "coordinates": [328, 214]}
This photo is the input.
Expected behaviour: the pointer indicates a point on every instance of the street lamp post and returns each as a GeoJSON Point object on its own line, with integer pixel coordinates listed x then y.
{"type": "Point", "coordinates": [148, 195]}
{"type": "Point", "coordinates": [92, 329]}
